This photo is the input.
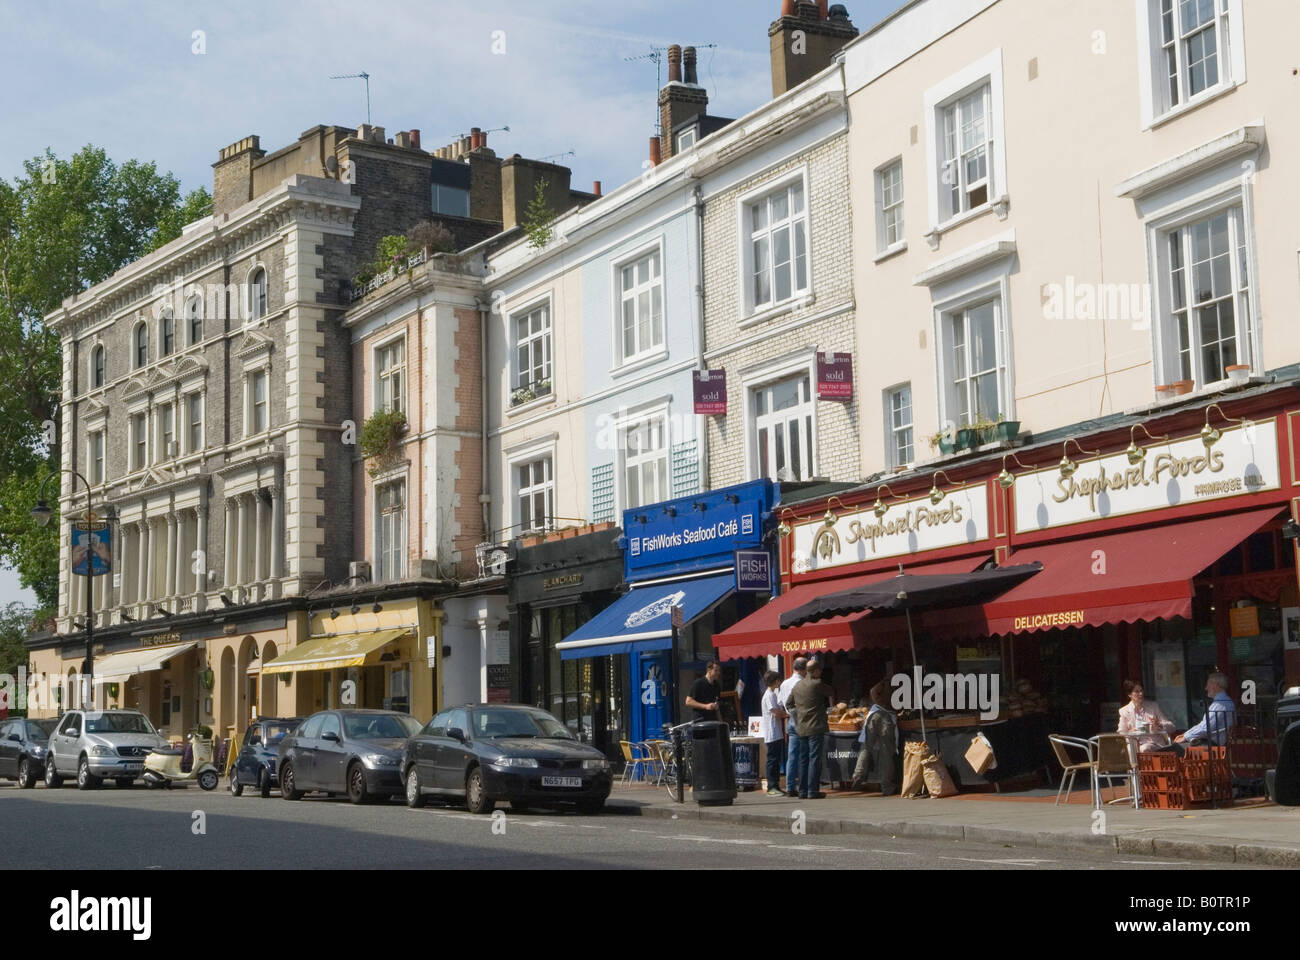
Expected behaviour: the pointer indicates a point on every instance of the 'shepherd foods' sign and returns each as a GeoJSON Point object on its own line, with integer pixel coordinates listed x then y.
{"type": "Point", "coordinates": [908, 527]}
{"type": "Point", "coordinates": [710, 391]}
{"type": "Point", "coordinates": [1243, 461]}
{"type": "Point", "coordinates": [835, 376]}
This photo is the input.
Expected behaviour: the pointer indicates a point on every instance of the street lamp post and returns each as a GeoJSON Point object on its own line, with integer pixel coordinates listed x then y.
{"type": "Point", "coordinates": [42, 513]}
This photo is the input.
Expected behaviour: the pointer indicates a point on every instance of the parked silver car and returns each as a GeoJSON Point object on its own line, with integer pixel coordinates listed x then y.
{"type": "Point", "coordinates": [95, 745]}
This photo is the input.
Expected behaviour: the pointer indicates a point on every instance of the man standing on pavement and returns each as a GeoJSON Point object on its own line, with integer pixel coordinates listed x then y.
{"type": "Point", "coordinates": [808, 704]}
{"type": "Point", "coordinates": [783, 695]}
{"type": "Point", "coordinates": [706, 692]}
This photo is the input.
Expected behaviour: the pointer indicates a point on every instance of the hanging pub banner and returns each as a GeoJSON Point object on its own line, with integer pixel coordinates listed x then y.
{"type": "Point", "coordinates": [834, 376]}
{"type": "Point", "coordinates": [710, 391]}
{"type": "Point", "coordinates": [92, 549]}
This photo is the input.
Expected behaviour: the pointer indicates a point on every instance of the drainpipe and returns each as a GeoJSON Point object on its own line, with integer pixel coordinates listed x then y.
{"type": "Point", "coordinates": [701, 421]}
{"type": "Point", "coordinates": [483, 497]}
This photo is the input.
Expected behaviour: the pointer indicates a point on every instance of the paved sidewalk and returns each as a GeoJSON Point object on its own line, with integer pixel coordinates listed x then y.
{"type": "Point", "coordinates": [1250, 832]}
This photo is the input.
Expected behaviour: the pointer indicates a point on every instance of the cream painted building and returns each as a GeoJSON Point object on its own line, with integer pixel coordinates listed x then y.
{"type": "Point", "coordinates": [1061, 208]}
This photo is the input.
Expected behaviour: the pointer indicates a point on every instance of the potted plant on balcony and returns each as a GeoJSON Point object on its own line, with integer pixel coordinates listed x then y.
{"type": "Point", "coordinates": [945, 441]}
{"type": "Point", "coordinates": [1238, 373]}
{"type": "Point", "coordinates": [380, 440]}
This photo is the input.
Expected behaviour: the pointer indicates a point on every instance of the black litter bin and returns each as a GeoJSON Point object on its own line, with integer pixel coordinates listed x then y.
{"type": "Point", "coordinates": [713, 772]}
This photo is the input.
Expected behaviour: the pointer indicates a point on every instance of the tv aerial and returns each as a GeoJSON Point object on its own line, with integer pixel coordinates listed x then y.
{"type": "Point", "coordinates": [358, 76]}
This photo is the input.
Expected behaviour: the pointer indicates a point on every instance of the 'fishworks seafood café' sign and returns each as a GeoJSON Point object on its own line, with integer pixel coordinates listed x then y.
{"type": "Point", "coordinates": [962, 516]}
{"type": "Point", "coordinates": [1243, 461]}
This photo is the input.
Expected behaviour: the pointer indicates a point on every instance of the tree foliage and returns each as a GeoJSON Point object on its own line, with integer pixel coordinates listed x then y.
{"type": "Point", "coordinates": [539, 218]}
{"type": "Point", "coordinates": [65, 225]}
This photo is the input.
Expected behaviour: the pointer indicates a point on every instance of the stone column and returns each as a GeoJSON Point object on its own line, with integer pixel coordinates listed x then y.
{"type": "Point", "coordinates": [229, 564]}
{"type": "Point", "coordinates": [263, 520]}
{"type": "Point", "coordinates": [182, 555]}
{"type": "Point", "coordinates": [169, 562]}
{"type": "Point", "coordinates": [201, 544]}
{"type": "Point", "coordinates": [277, 533]}
{"type": "Point", "coordinates": [142, 566]}
{"type": "Point", "coordinates": [241, 540]}
{"type": "Point", "coordinates": [151, 583]}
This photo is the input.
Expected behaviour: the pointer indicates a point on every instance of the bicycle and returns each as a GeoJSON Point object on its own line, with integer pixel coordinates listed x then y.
{"type": "Point", "coordinates": [670, 777]}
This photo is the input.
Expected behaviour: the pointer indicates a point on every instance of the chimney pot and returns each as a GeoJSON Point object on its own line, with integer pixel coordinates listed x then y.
{"type": "Point", "coordinates": [675, 64]}
{"type": "Point", "coordinates": [465, 144]}
{"type": "Point", "coordinates": [688, 63]}
{"type": "Point", "coordinates": [595, 188]}
{"type": "Point", "coordinates": [415, 138]}
{"type": "Point", "coordinates": [654, 151]}
{"type": "Point", "coordinates": [787, 8]}
{"type": "Point", "coordinates": [475, 137]}
{"type": "Point", "coordinates": [823, 9]}
{"type": "Point", "coordinates": [482, 139]}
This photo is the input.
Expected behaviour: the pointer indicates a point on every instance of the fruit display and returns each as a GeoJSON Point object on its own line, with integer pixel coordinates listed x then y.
{"type": "Point", "coordinates": [1022, 701]}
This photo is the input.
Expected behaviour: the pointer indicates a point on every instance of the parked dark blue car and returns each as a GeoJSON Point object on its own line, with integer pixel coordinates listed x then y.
{"type": "Point", "coordinates": [258, 755]}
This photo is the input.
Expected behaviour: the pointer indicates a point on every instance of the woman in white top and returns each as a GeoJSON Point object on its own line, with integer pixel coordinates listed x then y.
{"type": "Point", "coordinates": [1144, 716]}
{"type": "Point", "coordinates": [774, 717]}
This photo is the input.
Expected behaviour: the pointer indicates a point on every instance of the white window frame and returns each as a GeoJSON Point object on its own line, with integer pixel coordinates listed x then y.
{"type": "Point", "coordinates": [136, 362]}
{"type": "Point", "coordinates": [686, 139]}
{"type": "Point", "coordinates": [390, 561]}
{"type": "Point", "coordinates": [883, 210]}
{"type": "Point", "coordinates": [546, 336]}
{"type": "Point", "coordinates": [384, 374]}
{"type": "Point", "coordinates": [166, 320]}
{"type": "Point", "coordinates": [644, 353]}
{"type": "Point", "coordinates": [752, 310]}
{"type": "Point", "coordinates": [626, 423]}
{"type": "Point", "coordinates": [802, 363]}
{"type": "Point", "coordinates": [189, 397]}
{"type": "Point", "coordinates": [986, 70]}
{"type": "Point", "coordinates": [161, 410]}
{"type": "Point", "coordinates": [96, 353]}
{"type": "Point", "coordinates": [1153, 78]}
{"type": "Point", "coordinates": [1164, 347]}
{"type": "Point", "coordinates": [138, 425]}
{"type": "Point", "coordinates": [892, 456]}
{"type": "Point", "coordinates": [526, 458]}
{"type": "Point", "coordinates": [97, 459]}
{"type": "Point", "coordinates": [250, 402]}
{"type": "Point", "coordinates": [258, 306]}
{"type": "Point", "coordinates": [998, 293]}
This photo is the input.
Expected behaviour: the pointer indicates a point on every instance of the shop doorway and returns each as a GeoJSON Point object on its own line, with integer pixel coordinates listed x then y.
{"type": "Point", "coordinates": [653, 692]}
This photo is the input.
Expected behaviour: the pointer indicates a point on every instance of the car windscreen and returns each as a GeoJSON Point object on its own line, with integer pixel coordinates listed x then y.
{"type": "Point", "coordinates": [117, 723]}
{"type": "Point", "coordinates": [40, 729]}
{"type": "Point", "coordinates": [274, 732]}
{"type": "Point", "coordinates": [379, 726]}
{"type": "Point", "coordinates": [496, 723]}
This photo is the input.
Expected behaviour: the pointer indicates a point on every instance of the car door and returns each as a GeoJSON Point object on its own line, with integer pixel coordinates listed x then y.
{"type": "Point", "coordinates": [329, 757]}
{"type": "Point", "coordinates": [69, 733]}
{"type": "Point", "coordinates": [424, 748]}
{"type": "Point", "coordinates": [245, 770]}
{"type": "Point", "coordinates": [450, 754]}
{"type": "Point", "coordinates": [304, 751]}
{"type": "Point", "coordinates": [9, 748]}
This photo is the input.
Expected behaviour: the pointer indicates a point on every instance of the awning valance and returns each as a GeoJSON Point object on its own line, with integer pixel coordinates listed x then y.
{"type": "Point", "coordinates": [760, 634]}
{"type": "Point", "coordinates": [119, 666]}
{"type": "Point", "coordinates": [641, 619]}
{"type": "Point", "coordinates": [328, 653]}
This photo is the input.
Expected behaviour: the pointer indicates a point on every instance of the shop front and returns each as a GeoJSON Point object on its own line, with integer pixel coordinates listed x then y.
{"type": "Point", "coordinates": [679, 555]}
{"type": "Point", "coordinates": [1164, 555]}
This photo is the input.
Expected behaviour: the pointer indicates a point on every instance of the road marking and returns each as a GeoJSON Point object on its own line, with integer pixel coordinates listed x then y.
{"type": "Point", "coordinates": [1018, 861]}
{"type": "Point", "coordinates": [1159, 863]}
{"type": "Point", "coordinates": [738, 843]}
{"type": "Point", "coordinates": [897, 853]}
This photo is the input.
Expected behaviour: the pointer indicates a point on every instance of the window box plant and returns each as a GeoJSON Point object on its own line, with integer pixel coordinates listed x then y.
{"type": "Point", "coordinates": [1238, 373]}
{"type": "Point", "coordinates": [380, 440]}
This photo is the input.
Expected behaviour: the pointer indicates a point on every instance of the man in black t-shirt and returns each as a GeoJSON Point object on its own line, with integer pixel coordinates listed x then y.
{"type": "Point", "coordinates": [706, 692]}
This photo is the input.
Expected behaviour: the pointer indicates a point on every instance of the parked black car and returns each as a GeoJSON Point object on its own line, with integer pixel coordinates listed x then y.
{"type": "Point", "coordinates": [490, 752]}
{"type": "Point", "coordinates": [259, 755]}
{"type": "Point", "coordinates": [23, 745]}
{"type": "Point", "coordinates": [357, 752]}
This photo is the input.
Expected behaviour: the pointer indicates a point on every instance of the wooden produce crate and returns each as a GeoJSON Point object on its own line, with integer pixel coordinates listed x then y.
{"type": "Point", "coordinates": [1170, 782]}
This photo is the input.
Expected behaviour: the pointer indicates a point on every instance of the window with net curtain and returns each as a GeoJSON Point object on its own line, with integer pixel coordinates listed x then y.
{"type": "Point", "coordinates": [390, 530]}
{"type": "Point", "coordinates": [782, 427]}
{"type": "Point", "coordinates": [645, 461]}
{"type": "Point", "coordinates": [778, 246]}
{"type": "Point", "coordinates": [535, 495]}
{"type": "Point", "coordinates": [976, 374]}
{"type": "Point", "coordinates": [532, 334]}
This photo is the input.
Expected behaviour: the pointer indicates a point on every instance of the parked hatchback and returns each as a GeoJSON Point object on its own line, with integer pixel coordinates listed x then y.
{"type": "Point", "coordinates": [356, 752]}
{"type": "Point", "coordinates": [99, 745]}
{"type": "Point", "coordinates": [23, 744]}
{"type": "Point", "coordinates": [493, 752]}
{"type": "Point", "coordinates": [259, 755]}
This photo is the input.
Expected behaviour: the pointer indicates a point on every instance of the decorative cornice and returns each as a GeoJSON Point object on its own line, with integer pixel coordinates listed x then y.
{"type": "Point", "coordinates": [1239, 143]}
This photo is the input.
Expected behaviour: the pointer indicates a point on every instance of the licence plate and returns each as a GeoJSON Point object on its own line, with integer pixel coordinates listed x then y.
{"type": "Point", "coordinates": [132, 767]}
{"type": "Point", "coordinates": [562, 781]}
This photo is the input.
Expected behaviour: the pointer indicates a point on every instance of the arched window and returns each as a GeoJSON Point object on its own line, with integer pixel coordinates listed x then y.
{"type": "Point", "coordinates": [194, 316]}
{"type": "Point", "coordinates": [97, 366]}
{"type": "Point", "coordinates": [257, 295]}
{"type": "Point", "coordinates": [167, 327]}
{"type": "Point", "coordinates": [141, 345]}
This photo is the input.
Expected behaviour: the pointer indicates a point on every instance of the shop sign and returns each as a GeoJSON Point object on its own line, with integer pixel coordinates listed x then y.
{"type": "Point", "coordinates": [961, 517]}
{"type": "Point", "coordinates": [710, 391]}
{"type": "Point", "coordinates": [1171, 474]}
{"type": "Point", "coordinates": [568, 580]}
{"type": "Point", "coordinates": [160, 639]}
{"type": "Point", "coordinates": [92, 548]}
{"type": "Point", "coordinates": [753, 571]}
{"type": "Point", "coordinates": [499, 647]}
{"type": "Point", "coordinates": [1244, 621]}
{"type": "Point", "coordinates": [834, 376]}
{"type": "Point", "coordinates": [710, 524]}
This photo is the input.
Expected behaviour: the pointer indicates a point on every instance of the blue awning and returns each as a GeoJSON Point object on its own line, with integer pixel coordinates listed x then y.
{"type": "Point", "coordinates": [641, 619]}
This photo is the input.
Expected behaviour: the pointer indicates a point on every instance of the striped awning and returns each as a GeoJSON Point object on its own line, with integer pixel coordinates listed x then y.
{"type": "Point", "coordinates": [328, 653]}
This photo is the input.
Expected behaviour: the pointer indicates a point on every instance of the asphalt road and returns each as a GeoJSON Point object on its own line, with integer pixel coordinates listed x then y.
{"type": "Point", "coordinates": [154, 829]}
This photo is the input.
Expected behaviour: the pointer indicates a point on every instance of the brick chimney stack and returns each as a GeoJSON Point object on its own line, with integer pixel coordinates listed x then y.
{"type": "Point", "coordinates": [232, 175]}
{"type": "Point", "coordinates": [805, 39]}
{"type": "Point", "coordinates": [679, 100]}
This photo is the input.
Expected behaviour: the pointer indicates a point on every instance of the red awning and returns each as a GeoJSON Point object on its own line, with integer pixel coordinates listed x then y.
{"type": "Point", "coordinates": [1113, 578]}
{"type": "Point", "coordinates": [760, 633]}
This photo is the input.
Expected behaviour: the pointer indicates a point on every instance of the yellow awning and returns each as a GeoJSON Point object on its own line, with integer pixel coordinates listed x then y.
{"type": "Point", "coordinates": [327, 653]}
{"type": "Point", "coordinates": [120, 666]}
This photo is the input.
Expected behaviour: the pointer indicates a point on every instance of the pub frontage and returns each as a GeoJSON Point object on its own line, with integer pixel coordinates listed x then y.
{"type": "Point", "coordinates": [1166, 541]}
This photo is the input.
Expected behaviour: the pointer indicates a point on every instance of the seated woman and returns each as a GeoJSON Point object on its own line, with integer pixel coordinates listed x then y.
{"type": "Point", "coordinates": [880, 746]}
{"type": "Point", "coordinates": [1142, 716]}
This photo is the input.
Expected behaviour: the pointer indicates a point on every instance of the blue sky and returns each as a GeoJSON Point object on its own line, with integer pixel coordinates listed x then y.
{"type": "Point", "coordinates": [125, 76]}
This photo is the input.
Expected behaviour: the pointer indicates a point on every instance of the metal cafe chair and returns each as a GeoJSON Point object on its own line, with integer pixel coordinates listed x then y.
{"type": "Point", "coordinates": [638, 758]}
{"type": "Point", "coordinates": [1114, 762]}
{"type": "Point", "coordinates": [1067, 750]}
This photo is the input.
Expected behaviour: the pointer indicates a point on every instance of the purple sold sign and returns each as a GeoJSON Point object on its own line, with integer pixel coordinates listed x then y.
{"type": "Point", "coordinates": [834, 376]}
{"type": "Point", "coordinates": [710, 391]}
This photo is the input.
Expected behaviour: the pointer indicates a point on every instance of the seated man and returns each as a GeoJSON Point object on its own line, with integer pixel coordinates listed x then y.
{"type": "Point", "coordinates": [1213, 728]}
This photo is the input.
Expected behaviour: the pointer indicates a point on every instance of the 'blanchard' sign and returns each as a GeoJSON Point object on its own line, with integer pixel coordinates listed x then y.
{"type": "Point", "coordinates": [1243, 461]}
{"type": "Point", "coordinates": [908, 527]}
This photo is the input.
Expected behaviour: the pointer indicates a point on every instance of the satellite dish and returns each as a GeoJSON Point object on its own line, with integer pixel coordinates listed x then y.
{"type": "Point", "coordinates": [331, 164]}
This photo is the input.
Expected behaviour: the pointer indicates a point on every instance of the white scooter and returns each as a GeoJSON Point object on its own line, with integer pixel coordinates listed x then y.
{"type": "Point", "coordinates": [162, 768]}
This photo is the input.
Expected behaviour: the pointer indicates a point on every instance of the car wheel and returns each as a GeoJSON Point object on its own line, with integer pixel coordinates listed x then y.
{"type": "Point", "coordinates": [476, 798]}
{"type": "Point", "coordinates": [414, 795]}
{"type": "Point", "coordinates": [209, 780]}
{"type": "Point", "coordinates": [357, 791]}
{"type": "Point", "coordinates": [264, 783]}
{"type": "Point", "coordinates": [287, 789]}
{"type": "Point", "coordinates": [52, 779]}
{"type": "Point", "coordinates": [85, 779]}
{"type": "Point", "coordinates": [236, 788]}
{"type": "Point", "coordinates": [26, 778]}
{"type": "Point", "coordinates": [519, 806]}
{"type": "Point", "coordinates": [590, 807]}
{"type": "Point", "coordinates": [124, 783]}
